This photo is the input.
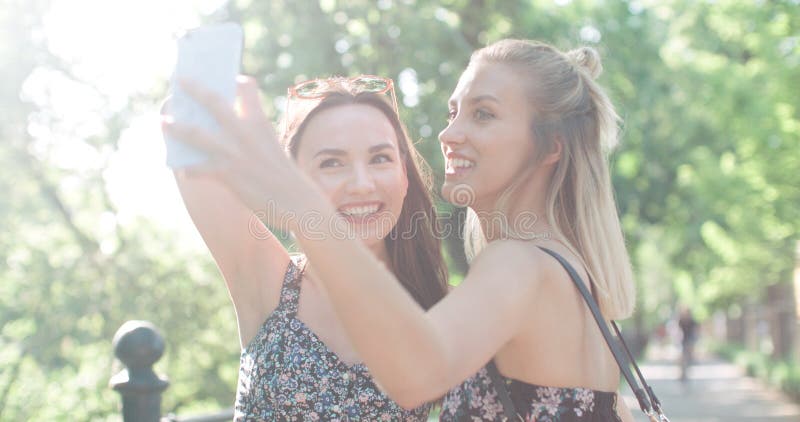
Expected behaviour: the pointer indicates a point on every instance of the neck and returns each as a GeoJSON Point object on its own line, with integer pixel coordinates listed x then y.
{"type": "Point", "coordinates": [525, 212]}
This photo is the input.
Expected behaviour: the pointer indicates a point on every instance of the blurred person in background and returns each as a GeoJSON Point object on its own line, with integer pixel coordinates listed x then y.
{"type": "Point", "coordinates": [688, 326]}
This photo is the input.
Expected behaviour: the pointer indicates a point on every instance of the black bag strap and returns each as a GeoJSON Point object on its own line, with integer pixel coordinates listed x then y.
{"type": "Point", "coordinates": [650, 393]}
{"type": "Point", "coordinates": [647, 399]}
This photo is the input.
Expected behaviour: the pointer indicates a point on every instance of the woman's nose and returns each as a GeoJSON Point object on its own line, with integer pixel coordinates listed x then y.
{"type": "Point", "coordinates": [361, 180]}
{"type": "Point", "coordinates": [451, 135]}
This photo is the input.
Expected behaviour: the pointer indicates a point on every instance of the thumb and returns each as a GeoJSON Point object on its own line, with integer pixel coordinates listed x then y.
{"type": "Point", "coordinates": [164, 110]}
{"type": "Point", "coordinates": [249, 99]}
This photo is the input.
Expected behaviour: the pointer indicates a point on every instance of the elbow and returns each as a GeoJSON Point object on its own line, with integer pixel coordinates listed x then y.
{"type": "Point", "coordinates": [417, 390]}
{"type": "Point", "coordinates": [411, 401]}
{"type": "Point", "coordinates": [421, 373]}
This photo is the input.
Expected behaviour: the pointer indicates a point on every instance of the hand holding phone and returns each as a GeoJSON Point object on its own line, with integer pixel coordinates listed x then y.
{"type": "Point", "coordinates": [209, 56]}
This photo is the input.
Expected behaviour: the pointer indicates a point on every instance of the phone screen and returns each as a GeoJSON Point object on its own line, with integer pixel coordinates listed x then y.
{"type": "Point", "coordinates": [210, 56]}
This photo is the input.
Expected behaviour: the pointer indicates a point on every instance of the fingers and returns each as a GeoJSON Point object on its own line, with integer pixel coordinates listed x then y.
{"type": "Point", "coordinates": [216, 105]}
{"type": "Point", "coordinates": [247, 89]}
{"type": "Point", "coordinates": [252, 112]}
{"type": "Point", "coordinates": [164, 110]}
{"type": "Point", "coordinates": [251, 125]}
{"type": "Point", "coordinates": [210, 169]}
{"type": "Point", "coordinates": [196, 137]}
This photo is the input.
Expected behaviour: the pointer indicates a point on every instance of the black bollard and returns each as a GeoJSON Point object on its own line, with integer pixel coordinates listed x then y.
{"type": "Point", "coordinates": [139, 345]}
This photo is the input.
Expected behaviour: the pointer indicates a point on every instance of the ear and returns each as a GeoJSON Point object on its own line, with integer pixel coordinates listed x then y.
{"type": "Point", "coordinates": [554, 155]}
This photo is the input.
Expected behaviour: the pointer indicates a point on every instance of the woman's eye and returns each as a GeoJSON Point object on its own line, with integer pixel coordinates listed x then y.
{"type": "Point", "coordinates": [330, 162]}
{"type": "Point", "coordinates": [451, 115]}
{"type": "Point", "coordinates": [382, 158]}
{"type": "Point", "coordinates": [481, 114]}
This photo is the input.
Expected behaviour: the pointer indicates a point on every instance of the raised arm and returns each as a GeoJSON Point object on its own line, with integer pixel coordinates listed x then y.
{"type": "Point", "coordinates": [414, 355]}
{"type": "Point", "coordinates": [252, 261]}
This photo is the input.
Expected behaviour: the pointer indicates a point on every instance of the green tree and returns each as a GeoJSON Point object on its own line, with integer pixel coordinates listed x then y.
{"type": "Point", "coordinates": [705, 175]}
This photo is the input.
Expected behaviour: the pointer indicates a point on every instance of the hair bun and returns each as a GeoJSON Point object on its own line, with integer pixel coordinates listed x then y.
{"type": "Point", "coordinates": [587, 58]}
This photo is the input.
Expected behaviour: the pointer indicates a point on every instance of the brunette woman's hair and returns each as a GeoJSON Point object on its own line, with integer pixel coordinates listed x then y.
{"type": "Point", "coordinates": [413, 246]}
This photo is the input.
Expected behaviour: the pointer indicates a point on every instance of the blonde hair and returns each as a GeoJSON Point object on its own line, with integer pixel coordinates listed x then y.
{"type": "Point", "coordinates": [570, 107]}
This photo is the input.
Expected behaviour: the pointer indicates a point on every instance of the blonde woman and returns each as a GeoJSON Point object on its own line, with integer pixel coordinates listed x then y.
{"type": "Point", "coordinates": [525, 148]}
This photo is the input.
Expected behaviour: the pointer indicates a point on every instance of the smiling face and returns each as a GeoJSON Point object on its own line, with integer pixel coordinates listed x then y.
{"type": "Point", "coordinates": [488, 141]}
{"type": "Point", "coordinates": [351, 152]}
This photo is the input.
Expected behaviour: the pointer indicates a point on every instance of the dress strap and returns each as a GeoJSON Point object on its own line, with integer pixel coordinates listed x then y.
{"type": "Point", "coordinates": [290, 290]}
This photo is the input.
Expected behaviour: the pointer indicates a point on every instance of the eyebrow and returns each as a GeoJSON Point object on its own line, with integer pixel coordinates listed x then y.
{"type": "Point", "coordinates": [340, 152]}
{"type": "Point", "coordinates": [479, 98]}
{"type": "Point", "coordinates": [380, 147]}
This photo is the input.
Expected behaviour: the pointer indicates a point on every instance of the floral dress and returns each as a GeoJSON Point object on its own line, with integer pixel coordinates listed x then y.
{"type": "Point", "coordinates": [477, 400]}
{"type": "Point", "coordinates": [287, 373]}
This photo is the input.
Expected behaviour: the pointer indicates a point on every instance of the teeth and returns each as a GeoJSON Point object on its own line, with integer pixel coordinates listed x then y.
{"type": "Point", "coordinates": [360, 211]}
{"type": "Point", "coordinates": [459, 163]}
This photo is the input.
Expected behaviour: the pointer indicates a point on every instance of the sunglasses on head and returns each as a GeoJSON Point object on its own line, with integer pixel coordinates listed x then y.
{"type": "Point", "coordinates": [317, 89]}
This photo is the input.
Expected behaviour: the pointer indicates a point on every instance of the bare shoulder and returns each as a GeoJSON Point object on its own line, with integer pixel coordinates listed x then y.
{"type": "Point", "coordinates": [515, 261]}
{"type": "Point", "coordinates": [507, 278]}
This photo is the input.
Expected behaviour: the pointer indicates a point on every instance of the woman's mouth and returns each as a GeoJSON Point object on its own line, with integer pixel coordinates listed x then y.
{"type": "Point", "coordinates": [458, 167]}
{"type": "Point", "coordinates": [360, 213]}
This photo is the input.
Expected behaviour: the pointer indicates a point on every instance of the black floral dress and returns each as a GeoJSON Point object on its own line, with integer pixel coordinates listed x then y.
{"type": "Point", "coordinates": [287, 373]}
{"type": "Point", "coordinates": [476, 400]}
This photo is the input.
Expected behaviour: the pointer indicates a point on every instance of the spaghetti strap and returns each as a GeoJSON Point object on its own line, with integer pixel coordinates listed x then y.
{"type": "Point", "coordinates": [290, 290]}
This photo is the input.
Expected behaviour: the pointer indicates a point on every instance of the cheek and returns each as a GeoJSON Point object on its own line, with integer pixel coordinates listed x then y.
{"type": "Point", "coordinates": [513, 163]}
{"type": "Point", "coordinates": [516, 142]}
{"type": "Point", "coordinates": [501, 161]}
{"type": "Point", "coordinates": [329, 184]}
{"type": "Point", "coordinates": [396, 186]}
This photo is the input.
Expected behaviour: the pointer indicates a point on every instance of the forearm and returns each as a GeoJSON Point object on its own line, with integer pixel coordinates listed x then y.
{"type": "Point", "coordinates": [390, 331]}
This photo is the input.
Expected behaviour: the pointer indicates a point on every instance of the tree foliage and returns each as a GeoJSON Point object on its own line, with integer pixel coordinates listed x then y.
{"type": "Point", "coordinates": [706, 175]}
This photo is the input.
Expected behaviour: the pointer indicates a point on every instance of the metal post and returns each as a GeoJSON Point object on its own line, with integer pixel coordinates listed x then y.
{"type": "Point", "coordinates": [139, 345]}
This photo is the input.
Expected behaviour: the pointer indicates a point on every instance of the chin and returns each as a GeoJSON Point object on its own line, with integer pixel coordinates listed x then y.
{"type": "Point", "coordinates": [458, 193]}
{"type": "Point", "coordinates": [372, 242]}
{"type": "Point", "coordinates": [372, 234]}
{"type": "Point", "coordinates": [375, 243]}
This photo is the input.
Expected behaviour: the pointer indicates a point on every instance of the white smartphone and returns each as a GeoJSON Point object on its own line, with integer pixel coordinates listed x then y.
{"type": "Point", "coordinates": [210, 56]}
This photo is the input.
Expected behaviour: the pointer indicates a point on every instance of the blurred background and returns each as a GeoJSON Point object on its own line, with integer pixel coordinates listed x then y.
{"type": "Point", "coordinates": [93, 233]}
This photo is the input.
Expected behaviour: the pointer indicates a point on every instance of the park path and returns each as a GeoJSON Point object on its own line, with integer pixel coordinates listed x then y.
{"type": "Point", "coordinates": [716, 391]}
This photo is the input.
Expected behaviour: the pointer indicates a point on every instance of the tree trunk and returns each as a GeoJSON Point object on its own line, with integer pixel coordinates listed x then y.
{"type": "Point", "coordinates": [782, 319]}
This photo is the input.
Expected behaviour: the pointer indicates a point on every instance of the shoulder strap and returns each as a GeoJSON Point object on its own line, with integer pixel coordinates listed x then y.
{"type": "Point", "coordinates": [290, 290]}
{"type": "Point", "coordinates": [502, 391]}
{"type": "Point", "coordinates": [648, 402]}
